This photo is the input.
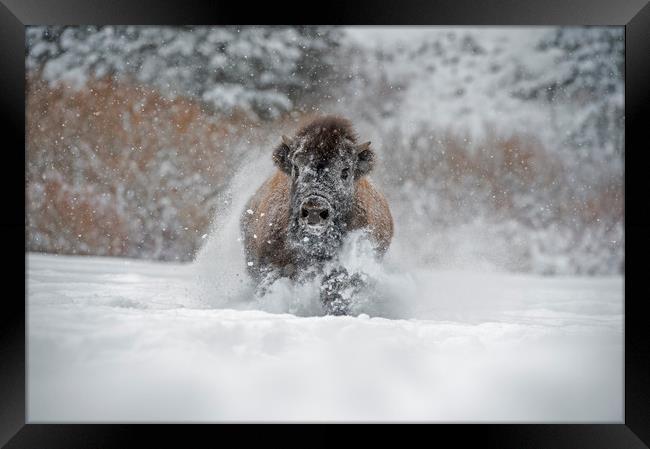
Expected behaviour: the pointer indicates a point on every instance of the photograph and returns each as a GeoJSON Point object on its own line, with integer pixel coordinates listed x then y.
{"type": "Point", "coordinates": [348, 224]}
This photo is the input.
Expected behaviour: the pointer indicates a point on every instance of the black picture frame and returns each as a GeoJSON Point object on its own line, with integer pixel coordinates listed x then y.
{"type": "Point", "coordinates": [634, 15]}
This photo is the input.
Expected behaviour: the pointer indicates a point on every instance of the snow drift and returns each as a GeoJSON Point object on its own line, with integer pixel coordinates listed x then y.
{"type": "Point", "coordinates": [443, 335]}
{"type": "Point", "coordinates": [120, 340]}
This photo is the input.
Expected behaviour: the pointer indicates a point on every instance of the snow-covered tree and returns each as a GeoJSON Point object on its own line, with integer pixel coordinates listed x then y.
{"type": "Point", "coordinates": [261, 70]}
{"type": "Point", "coordinates": [587, 82]}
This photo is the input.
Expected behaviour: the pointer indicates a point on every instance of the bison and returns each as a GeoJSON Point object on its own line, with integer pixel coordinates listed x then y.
{"type": "Point", "coordinates": [296, 222]}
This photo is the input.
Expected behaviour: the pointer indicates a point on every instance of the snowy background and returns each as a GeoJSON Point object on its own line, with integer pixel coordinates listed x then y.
{"type": "Point", "coordinates": [501, 154]}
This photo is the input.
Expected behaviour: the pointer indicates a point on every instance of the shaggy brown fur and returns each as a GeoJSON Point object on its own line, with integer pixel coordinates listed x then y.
{"type": "Point", "coordinates": [265, 230]}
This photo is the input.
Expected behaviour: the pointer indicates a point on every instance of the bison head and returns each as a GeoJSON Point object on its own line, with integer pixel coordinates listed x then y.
{"type": "Point", "coordinates": [324, 162]}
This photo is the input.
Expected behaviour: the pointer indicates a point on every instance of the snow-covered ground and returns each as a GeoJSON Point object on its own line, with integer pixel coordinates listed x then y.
{"type": "Point", "coordinates": [124, 340]}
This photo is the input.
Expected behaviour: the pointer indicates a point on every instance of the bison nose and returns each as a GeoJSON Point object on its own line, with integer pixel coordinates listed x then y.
{"type": "Point", "coordinates": [315, 211]}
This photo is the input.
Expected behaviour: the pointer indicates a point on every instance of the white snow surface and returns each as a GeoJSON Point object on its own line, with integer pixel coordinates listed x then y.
{"type": "Point", "coordinates": [120, 340]}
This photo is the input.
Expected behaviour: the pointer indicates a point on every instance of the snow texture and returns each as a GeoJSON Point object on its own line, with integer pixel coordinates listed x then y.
{"type": "Point", "coordinates": [500, 151]}
{"type": "Point", "coordinates": [113, 340]}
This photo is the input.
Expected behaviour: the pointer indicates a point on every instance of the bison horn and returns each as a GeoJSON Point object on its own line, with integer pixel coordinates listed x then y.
{"type": "Point", "coordinates": [363, 147]}
{"type": "Point", "coordinates": [286, 140]}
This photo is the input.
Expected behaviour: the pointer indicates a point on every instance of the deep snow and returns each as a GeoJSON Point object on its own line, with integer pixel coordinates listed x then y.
{"type": "Point", "coordinates": [124, 340]}
{"type": "Point", "coordinates": [127, 340]}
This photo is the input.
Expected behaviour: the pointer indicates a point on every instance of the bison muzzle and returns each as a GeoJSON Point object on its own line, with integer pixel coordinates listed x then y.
{"type": "Point", "coordinates": [295, 223]}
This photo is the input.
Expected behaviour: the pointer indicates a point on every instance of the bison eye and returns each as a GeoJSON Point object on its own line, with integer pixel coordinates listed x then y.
{"type": "Point", "coordinates": [345, 173]}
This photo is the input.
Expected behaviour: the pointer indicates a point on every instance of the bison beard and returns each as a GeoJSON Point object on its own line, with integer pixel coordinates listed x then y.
{"type": "Point", "coordinates": [296, 222]}
{"type": "Point", "coordinates": [314, 247]}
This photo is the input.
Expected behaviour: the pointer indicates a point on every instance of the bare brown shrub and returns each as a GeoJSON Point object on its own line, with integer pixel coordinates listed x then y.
{"type": "Point", "coordinates": [116, 169]}
{"type": "Point", "coordinates": [510, 189]}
